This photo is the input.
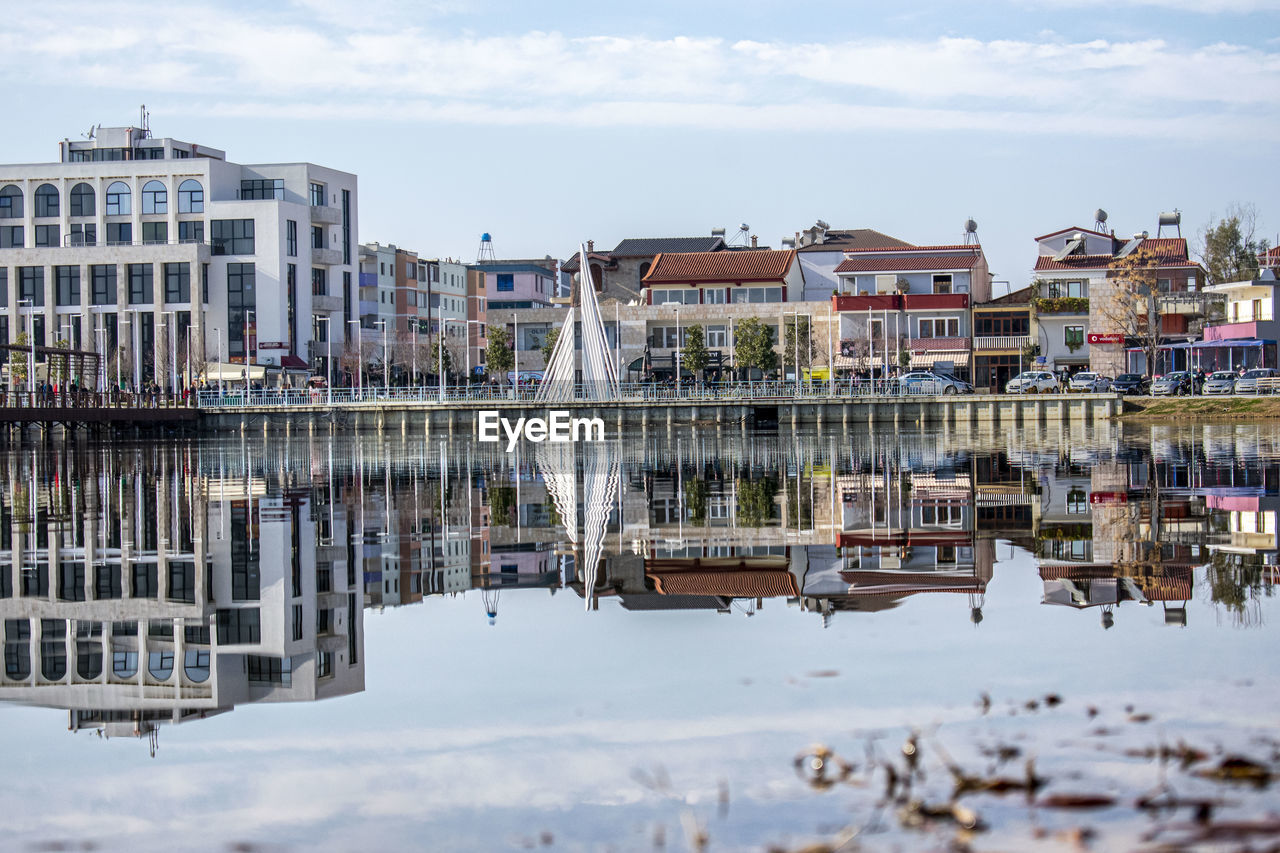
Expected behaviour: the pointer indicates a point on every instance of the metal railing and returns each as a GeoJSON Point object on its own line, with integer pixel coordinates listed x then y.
{"type": "Point", "coordinates": [635, 392]}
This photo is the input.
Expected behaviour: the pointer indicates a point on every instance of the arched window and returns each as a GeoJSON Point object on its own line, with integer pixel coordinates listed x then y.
{"type": "Point", "coordinates": [88, 660]}
{"type": "Point", "coordinates": [10, 202]}
{"type": "Point", "coordinates": [155, 198]}
{"type": "Point", "coordinates": [197, 665]}
{"type": "Point", "coordinates": [124, 664]}
{"type": "Point", "coordinates": [160, 665]}
{"type": "Point", "coordinates": [17, 649]}
{"type": "Point", "coordinates": [82, 199]}
{"type": "Point", "coordinates": [119, 202]}
{"type": "Point", "coordinates": [190, 196]}
{"type": "Point", "coordinates": [46, 200]}
{"type": "Point", "coordinates": [53, 659]}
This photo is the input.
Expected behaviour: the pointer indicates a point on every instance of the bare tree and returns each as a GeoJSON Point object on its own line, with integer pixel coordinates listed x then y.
{"type": "Point", "coordinates": [1129, 302]}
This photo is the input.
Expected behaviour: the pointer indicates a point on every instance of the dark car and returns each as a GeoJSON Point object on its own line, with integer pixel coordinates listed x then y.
{"type": "Point", "coordinates": [1131, 383]}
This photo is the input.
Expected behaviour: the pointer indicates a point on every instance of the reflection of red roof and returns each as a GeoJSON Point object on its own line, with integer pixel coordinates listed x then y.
{"type": "Point", "coordinates": [909, 262]}
{"type": "Point", "coordinates": [697, 267]}
{"type": "Point", "coordinates": [1174, 585]}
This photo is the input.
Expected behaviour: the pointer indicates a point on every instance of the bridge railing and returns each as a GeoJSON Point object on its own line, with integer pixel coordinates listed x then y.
{"type": "Point", "coordinates": [633, 392]}
{"type": "Point", "coordinates": [83, 399]}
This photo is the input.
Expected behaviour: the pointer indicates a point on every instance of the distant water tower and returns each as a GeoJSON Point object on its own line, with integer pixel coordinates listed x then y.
{"type": "Point", "coordinates": [970, 232]}
{"type": "Point", "coordinates": [486, 249]}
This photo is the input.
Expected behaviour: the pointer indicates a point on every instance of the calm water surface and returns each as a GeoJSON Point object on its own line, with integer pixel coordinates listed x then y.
{"type": "Point", "coordinates": [387, 642]}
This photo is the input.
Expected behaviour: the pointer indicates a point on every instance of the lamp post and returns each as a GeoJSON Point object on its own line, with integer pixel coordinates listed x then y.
{"type": "Point", "coordinates": [248, 365]}
{"type": "Point", "coordinates": [171, 331]}
{"type": "Point", "coordinates": [385, 375]}
{"type": "Point", "coordinates": [677, 360]}
{"type": "Point", "coordinates": [328, 358]}
{"type": "Point", "coordinates": [217, 333]}
{"type": "Point", "coordinates": [466, 326]}
{"type": "Point", "coordinates": [31, 345]}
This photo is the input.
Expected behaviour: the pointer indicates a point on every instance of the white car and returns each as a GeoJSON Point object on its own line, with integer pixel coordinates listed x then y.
{"type": "Point", "coordinates": [1090, 383]}
{"type": "Point", "coordinates": [1032, 382]}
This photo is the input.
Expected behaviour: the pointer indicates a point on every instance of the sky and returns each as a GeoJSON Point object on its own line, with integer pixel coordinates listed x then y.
{"type": "Point", "coordinates": [548, 124]}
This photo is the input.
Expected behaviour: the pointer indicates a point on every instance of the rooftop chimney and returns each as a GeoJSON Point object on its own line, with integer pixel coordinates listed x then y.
{"type": "Point", "coordinates": [754, 242]}
{"type": "Point", "coordinates": [591, 245]}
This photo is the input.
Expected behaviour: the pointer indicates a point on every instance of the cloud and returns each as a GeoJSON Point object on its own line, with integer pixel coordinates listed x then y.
{"type": "Point", "coordinates": [315, 66]}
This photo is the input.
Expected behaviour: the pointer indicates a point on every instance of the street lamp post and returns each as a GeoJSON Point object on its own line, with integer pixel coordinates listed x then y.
{"type": "Point", "coordinates": [217, 332]}
{"type": "Point", "coordinates": [678, 362]}
{"type": "Point", "coordinates": [359, 357]}
{"type": "Point", "coordinates": [248, 365]}
{"type": "Point", "coordinates": [31, 346]}
{"type": "Point", "coordinates": [328, 359]}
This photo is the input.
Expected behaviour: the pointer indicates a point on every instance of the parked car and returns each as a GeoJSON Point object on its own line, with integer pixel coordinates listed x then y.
{"type": "Point", "coordinates": [1090, 383]}
{"type": "Point", "coordinates": [962, 387]}
{"type": "Point", "coordinates": [926, 382]}
{"type": "Point", "coordinates": [1220, 382]}
{"type": "Point", "coordinates": [1131, 383]}
{"type": "Point", "coordinates": [1248, 384]}
{"type": "Point", "coordinates": [1173, 384]}
{"type": "Point", "coordinates": [1032, 382]}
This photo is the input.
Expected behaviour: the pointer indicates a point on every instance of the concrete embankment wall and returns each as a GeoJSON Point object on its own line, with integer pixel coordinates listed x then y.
{"type": "Point", "coordinates": [463, 418]}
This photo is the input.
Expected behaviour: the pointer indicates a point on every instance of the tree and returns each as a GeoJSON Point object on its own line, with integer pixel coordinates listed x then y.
{"type": "Point", "coordinates": [497, 355]}
{"type": "Point", "coordinates": [753, 345]}
{"type": "Point", "coordinates": [549, 345]}
{"type": "Point", "coordinates": [1129, 303]}
{"type": "Point", "coordinates": [799, 338]}
{"type": "Point", "coordinates": [18, 360]}
{"type": "Point", "coordinates": [755, 499]}
{"type": "Point", "coordinates": [694, 356]}
{"type": "Point", "coordinates": [1229, 250]}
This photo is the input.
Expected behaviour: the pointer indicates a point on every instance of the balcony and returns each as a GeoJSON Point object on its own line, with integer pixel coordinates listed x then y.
{"type": "Point", "coordinates": [936, 301]}
{"type": "Point", "coordinates": [327, 303]}
{"type": "Point", "coordinates": [323, 214]}
{"type": "Point", "coordinates": [326, 257]}
{"type": "Point", "coordinates": [368, 279]}
{"type": "Point", "coordinates": [878, 302]}
{"type": "Point", "coordinates": [1001, 342]}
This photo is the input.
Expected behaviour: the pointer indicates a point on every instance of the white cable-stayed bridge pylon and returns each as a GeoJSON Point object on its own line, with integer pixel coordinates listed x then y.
{"type": "Point", "coordinates": [599, 372]}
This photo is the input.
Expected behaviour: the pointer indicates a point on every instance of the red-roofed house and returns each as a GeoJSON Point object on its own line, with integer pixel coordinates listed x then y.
{"type": "Point", "coordinates": [920, 295]}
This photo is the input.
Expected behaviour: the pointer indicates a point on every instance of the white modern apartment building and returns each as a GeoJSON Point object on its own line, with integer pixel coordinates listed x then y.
{"type": "Point", "coordinates": [138, 243]}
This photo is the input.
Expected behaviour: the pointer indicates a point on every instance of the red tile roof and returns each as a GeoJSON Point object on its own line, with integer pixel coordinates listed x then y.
{"type": "Point", "coordinates": [908, 262]}
{"type": "Point", "coordinates": [698, 267]}
{"type": "Point", "coordinates": [1073, 262]}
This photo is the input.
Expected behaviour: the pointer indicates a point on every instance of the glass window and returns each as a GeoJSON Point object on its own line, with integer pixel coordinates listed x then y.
{"type": "Point", "coordinates": [119, 233]}
{"type": "Point", "coordinates": [124, 664]}
{"type": "Point", "coordinates": [12, 237]}
{"type": "Point", "coordinates": [241, 625]}
{"type": "Point", "coordinates": [4, 295]}
{"type": "Point", "coordinates": [160, 665]}
{"type": "Point", "coordinates": [191, 231]}
{"type": "Point", "coordinates": [317, 194]}
{"type": "Point", "coordinates": [291, 238]}
{"type": "Point", "coordinates": [84, 234]}
{"type": "Point", "coordinates": [717, 336]}
{"type": "Point", "coordinates": [190, 196]}
{"type": "Point", "coordinates": [233, 237]}
{"type": "Point", "coordinates": [269, 670]}
{"type": "Point", "coordinates": [155, 232]}
{"type": "Point", "coordinates": [262, 189]}
{"type": "Point", "coordinates": [88, 660]}
{"type": "Point", "coordinates": [140, 284]}
{"type": "Point", "coordinates": [103, 278]}
{"type": "Point", "coordinates": [82, 198]}
{"type": "Point", "coordinates": [155, 198]}
{"type": "Point", "coordinates": [10, 202]}
{"type": "Point", "coordinates": [31, 285]}
{"type": "Point", "coordinates": [319, 282]}
{"type": "Point", "coordinates": [1073, 336]}
{"type": "Point", "coordinates": [506, 281]}
{"type": "Point", "coordinates": [66, 285]}
{"type": "Point", "coordinates": [942, 283]}
{"type": "Point", "coordinates": [46, 200]}
{"type": "Point", "coordinates": [317, 237]}
{"type": "Point", "coordinates": [196, 665]}
{"type": "Point", "coordinates": [177, 282]}
{"type": "Point", "coordinates": [118, 199]}
{"type": "Point", "coordinates": [715, 296]}
{"type": "Point", "coordinates": [46, 236]}
{"type": "Point", "coordinates": [241, 298]}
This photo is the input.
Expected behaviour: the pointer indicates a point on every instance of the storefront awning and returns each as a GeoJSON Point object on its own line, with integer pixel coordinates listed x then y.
{"type": "Point", "coordinates": [1247, 342]}
{"type": "Point", "coordinates": [959, 358]}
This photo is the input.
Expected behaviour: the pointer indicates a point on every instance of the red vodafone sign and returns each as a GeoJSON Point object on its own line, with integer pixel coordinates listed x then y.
{"type": "Point", "coordinates": [1116, 338]}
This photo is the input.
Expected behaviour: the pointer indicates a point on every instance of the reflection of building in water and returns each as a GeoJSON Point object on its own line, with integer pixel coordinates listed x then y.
{"type": "Point", "coordinates": [133, 596]}
{"type": "Point", "coordinates": [1251, 522]}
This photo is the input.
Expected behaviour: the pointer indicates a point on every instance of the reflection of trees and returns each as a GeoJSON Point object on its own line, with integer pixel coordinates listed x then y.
{"type": "Point", "coordinates": [755, 500]}
{"type": "Point", "coordinates": [695, 499]}
{"type": "Point", "coordinates": [1237, 588]}
{"type": "Point", "coordinates": [502, 502]}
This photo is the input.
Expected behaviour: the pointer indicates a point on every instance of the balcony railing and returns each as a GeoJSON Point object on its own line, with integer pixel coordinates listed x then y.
{"type": "Point", "coordinates": [1009, 342]}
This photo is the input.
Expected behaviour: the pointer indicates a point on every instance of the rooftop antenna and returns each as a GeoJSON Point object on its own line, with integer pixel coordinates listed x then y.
{"type": "Point", "coordinates": [1100, 220]}
{"type": "Point", "coordinates": [146, 121]}
{"type": "Point", "coordinates": [970, 232]}
{"type": "Point", "coordinates": [485, 255]}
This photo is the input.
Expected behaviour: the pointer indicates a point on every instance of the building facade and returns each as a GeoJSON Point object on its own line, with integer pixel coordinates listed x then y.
{"type": "Point", "coordinates": [145, 250]}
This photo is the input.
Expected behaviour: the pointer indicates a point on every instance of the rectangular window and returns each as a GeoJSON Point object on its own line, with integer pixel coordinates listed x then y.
{"type": "Point", "coordinates": [46, 235]}
{"type": "Point", "coordinates": [177, 282]}
{"type": "Point", "coordinates": [31, 285]}
{"type": "Point", "coordinates": [347, 304]}
{"type": "Point", "coordinates": [4, 292]}
{"type": "Point", "coordinates": [319, 328]}
{"type": "Point", "coordinates": [242, 625]}
{"type": "Point", "coordinates": [103, 277]}
{"type": "Point", "coordinates": [718, 336]}
{"type": "Point", "coordinates": [679, 297]}
{"type": "Point", "coordinates": [506, 281]}
{"type": "Point", "coordinates": [319, 282]}
{"type": "Point", "coordinates": [11, 237]}
{"type": "Point", "coordinates": [191, 232]}
{"type": "Point", "coordinates": [269, 670]}
{"type": "Point", "coordinates": [715, 296]}
{"type": "Point", "coordinates": [204, 283]}
{"type": "Point", "coordinates": [140, 284]}
{"type": "Point", "coordinates": [297, 621]}
{"type": "Point", "coordinates": [942, 283]}
{"type": "Point", "coordinates": [241, 298]}
{"type": "Point", "coordinates": [291, 238]}
{"type": "Point", "coordinates": [317, 194]}
{"type": "Point", "coordinates": [232, 237]}
{"type": "Point", "coordinates": [118, 200]}
{"type": "Point", "coordinates": [11, 204]}
{"type": "Point", "coordinates": [66, 289]}
{"type": "Point", "coordinates": [317, 237]}
{"type": "Point", "coordinates": [291, 285]}
{"type": "Point", "coordinates": [85, 234]}
{"type": "Point", "coordinates": [155, 233]}
{"type": "Point", "coordinates": [1073, 337]}
{"type": "Point", "coordinates": [262, 189]}
{"type": "Point", "coordinates": [346, 227]}
{"type": "Point", "coordinates": [119, 233]}
{"type": "Point", "coordinates": [886, 284]}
